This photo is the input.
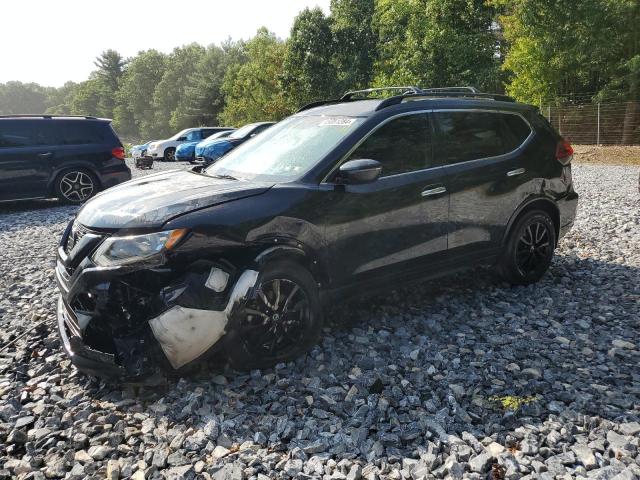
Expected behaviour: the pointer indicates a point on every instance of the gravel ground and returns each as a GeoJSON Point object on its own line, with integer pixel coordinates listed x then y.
{"type": "Point", "coordinates": [463, 378]}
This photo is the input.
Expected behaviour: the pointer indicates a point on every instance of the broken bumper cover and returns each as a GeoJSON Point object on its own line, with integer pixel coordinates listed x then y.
{"type": "Point", "coordinates": [82, 357]}
{"type": "Point", "coordinates": [130, 322]}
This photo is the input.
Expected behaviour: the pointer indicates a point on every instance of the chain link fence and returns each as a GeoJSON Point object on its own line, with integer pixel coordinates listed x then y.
{"type": "Point", "coordinates": [596, 123]}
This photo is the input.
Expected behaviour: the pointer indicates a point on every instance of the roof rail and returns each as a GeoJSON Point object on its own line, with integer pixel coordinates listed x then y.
{"type": "Point", "coordinates": [442, 93]}
{"type": "Point", "coordinates": [349, 95]}
{"type": "Point", "coordinates": [24, 115]}
{"type": "Point", "coordinates": [451, 90]}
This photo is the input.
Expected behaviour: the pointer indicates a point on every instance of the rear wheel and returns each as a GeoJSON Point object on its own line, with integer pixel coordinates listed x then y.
{"type": "Point", "coordinates": [280, 321]}
{"type": "Point", "coordinates": [529, 250]}
{"type": "Point", "coordinates": [170, 155]}
{"type": "Point", "coordinates": [76, 186]}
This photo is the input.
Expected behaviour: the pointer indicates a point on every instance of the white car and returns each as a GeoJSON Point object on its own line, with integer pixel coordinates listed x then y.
{"type": "Point", "coordinates": [166, 149]}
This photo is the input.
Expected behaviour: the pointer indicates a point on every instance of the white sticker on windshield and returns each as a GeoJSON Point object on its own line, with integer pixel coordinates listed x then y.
{"type": "Point", "coordinates": [337, 122]}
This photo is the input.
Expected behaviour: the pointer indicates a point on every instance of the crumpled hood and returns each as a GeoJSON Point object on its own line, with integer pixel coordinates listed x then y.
{"type": "Point", "coordinates": [151, 201]}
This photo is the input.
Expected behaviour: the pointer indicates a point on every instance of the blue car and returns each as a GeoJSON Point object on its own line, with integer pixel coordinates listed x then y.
{"type": "Point", "coordinates": [211, 149]}
{"type": "Point", "coordinates": [186, 151]}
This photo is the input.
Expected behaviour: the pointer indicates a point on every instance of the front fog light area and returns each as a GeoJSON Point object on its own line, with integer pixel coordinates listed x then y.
{"type": "Point", "coordinates": [124, 250]}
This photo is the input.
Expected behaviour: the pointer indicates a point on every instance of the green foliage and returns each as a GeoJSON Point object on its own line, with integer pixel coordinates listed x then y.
{"type": "Point", "coordinates": [252, 90]}
{"type": "Point", "coordinates": [309, 74]}
{"type": "Point", "coordinates": [537, 49]}
{"type": "Point", "coordinates": [354, 42]}
{"type": "Point", "coordinates": [177, 77]}
{"type": "Point", "coordinates": [433, 43]}
{"type": "Point", "coordinates": [557, 48]}
{"type": "Point", "coordinates": [18, 97]}
{"type": "Point", "coordinates": [134, 113]}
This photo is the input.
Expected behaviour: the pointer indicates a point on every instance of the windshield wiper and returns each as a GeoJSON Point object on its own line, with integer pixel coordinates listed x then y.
{"type": "Point", "coordinates": [225, 177]}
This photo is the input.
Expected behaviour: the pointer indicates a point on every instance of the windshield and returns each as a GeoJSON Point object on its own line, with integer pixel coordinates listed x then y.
{"type": "Point", "coordinates": [287, 150]}
{"type": "Point", "coordinates": [180, 134]}
{"type": "Point", "coordinates": [243, 131]}
{"type": "Point", "coordinates": [222, 134]}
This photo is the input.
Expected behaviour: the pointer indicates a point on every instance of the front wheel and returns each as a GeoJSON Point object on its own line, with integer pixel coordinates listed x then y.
{"type": "Point", "coordinates": [170, 155]}
{"type": "Point", "coordinates": [529, 250]}
{"type": "Point", "coordinates": [280, 321]}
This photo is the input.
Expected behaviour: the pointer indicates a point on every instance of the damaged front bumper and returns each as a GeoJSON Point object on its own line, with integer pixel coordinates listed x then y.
{"type": "Point", "coordinates": [131, 322]}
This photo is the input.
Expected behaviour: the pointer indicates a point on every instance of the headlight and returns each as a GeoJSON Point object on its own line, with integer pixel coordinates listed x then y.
{"type": "Point", "coordinates": [124, 250]}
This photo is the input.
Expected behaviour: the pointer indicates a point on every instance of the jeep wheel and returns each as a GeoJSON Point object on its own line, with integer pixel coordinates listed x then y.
{"type": "Point", "coordinates": [75, 186]}
{"type": "Point", "coordinates": [280, 321]}
{"type": "Point", "coordinates": [170, 155]}
{"type": "Point", "coordinates": [529, 250]}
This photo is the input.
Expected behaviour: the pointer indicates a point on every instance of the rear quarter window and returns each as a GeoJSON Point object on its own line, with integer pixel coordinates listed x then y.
{"type": "Point", "coordinates": [79, 132]}
{"type": "Point", "coordinates": [471, 135]}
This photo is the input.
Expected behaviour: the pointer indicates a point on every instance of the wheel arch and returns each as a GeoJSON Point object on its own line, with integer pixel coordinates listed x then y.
{"type": "Point", "coordinates": [539, 203]}
{"type": "Point", "coordinates": [286, 249]}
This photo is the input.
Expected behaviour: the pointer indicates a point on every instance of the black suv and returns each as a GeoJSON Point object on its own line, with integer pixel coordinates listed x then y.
{"type": "Point", "coordinates": [71, 158]}
{"type": "Point", "coordinates": [345, 196]}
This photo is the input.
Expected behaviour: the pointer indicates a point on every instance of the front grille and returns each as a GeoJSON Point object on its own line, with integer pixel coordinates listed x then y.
{"type": "Point", "coordinates": [77, 232]}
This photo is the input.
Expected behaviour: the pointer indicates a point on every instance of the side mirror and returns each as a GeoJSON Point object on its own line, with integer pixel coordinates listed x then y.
{"type": "Point", "coordinates": [182, 139]}
{"type": "Point", "coordinates": [355, 172]}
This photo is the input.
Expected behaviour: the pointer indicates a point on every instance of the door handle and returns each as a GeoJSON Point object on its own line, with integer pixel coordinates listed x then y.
{"type": "Point", "coordinates": [517, 171]}
{"type": "Point", "coordinates": [433, 191]}
{"type": "Point", "coordinates": [45, 155]}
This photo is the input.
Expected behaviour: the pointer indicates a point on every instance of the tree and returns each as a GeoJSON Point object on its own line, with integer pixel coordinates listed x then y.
{"type": "Point", "coordinates": [436, 43]}
{"type": "Point", "coordinates": [171, 90]}
{"type": "Point", "coordinates": [134, 113]}
{"type": "Point", "coordinates": [18, 97]}
{"type": "Point", "coordinates": [253, 91]}
{"type": "Point", "coordinates": [111, 67]}
{"type": "Point", "coordinates": [309, 72]}
{"type": "Point", "coordinates": [354, 42]}
{"type": "Point", "coordinates": [203, 101]}
{"type": "Point", "coordinates": [86, 98]}
{"type": "Point", "coordinates": [59, 99]}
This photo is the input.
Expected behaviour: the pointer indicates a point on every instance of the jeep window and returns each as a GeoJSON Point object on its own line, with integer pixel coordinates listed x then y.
{"type": "Point", "coordinates": [20, 133]}
{"type": "Point", "coordinates": [401, 145]}
{"type": "Point", "coordinates": [287, 150]}
{"type": "Point", "coordinates": [466, 135]}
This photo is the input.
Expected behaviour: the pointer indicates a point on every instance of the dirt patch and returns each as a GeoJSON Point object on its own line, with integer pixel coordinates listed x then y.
{"type": "Point", "coordinates": [610, 154]}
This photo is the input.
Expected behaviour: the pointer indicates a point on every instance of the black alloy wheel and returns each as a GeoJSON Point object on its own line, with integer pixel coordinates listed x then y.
{"type": "Point", "coordinates": [529, 250]}
{"type": "Point", "coordinates": [280, 321]}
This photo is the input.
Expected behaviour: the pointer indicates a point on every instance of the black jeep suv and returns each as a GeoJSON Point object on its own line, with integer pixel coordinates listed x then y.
{"type": "Point", "coordinates": [71, 158]}
{"type": "Point", "coordinates": [344, 196]}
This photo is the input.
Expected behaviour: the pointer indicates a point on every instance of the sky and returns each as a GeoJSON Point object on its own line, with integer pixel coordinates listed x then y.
{"type": "Point", "coordinates": [51, 42]}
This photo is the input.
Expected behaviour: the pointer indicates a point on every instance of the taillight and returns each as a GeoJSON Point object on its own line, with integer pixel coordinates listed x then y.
{"type": "Point", "coordinates": [564, 152]}
{"type": "Point", "coordinates": [118, 152]}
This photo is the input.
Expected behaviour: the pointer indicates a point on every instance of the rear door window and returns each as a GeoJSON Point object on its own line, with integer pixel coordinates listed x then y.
{"type": "Point", "coordinates": [471, 135]}
{"type": "Point", "coordinates": [21, 133]}
{"type": "Point", "coordinates": [401, 145]}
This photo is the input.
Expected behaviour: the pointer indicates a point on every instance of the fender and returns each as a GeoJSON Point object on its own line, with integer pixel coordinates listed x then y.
{"type": "Point", "coordinates": [532, 199]}
{"type": "Point", "coordinates": [289, 248]}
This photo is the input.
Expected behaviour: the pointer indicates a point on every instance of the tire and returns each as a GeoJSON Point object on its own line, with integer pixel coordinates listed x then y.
{"type": "Point", "coordinates": [529, 249]}
{"type": "Point", "coordinates": [170, 155]}
{"type": "Point", "coordinates": [246, 351]}
{"type": "Point", "coordinates": [75, 186]}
